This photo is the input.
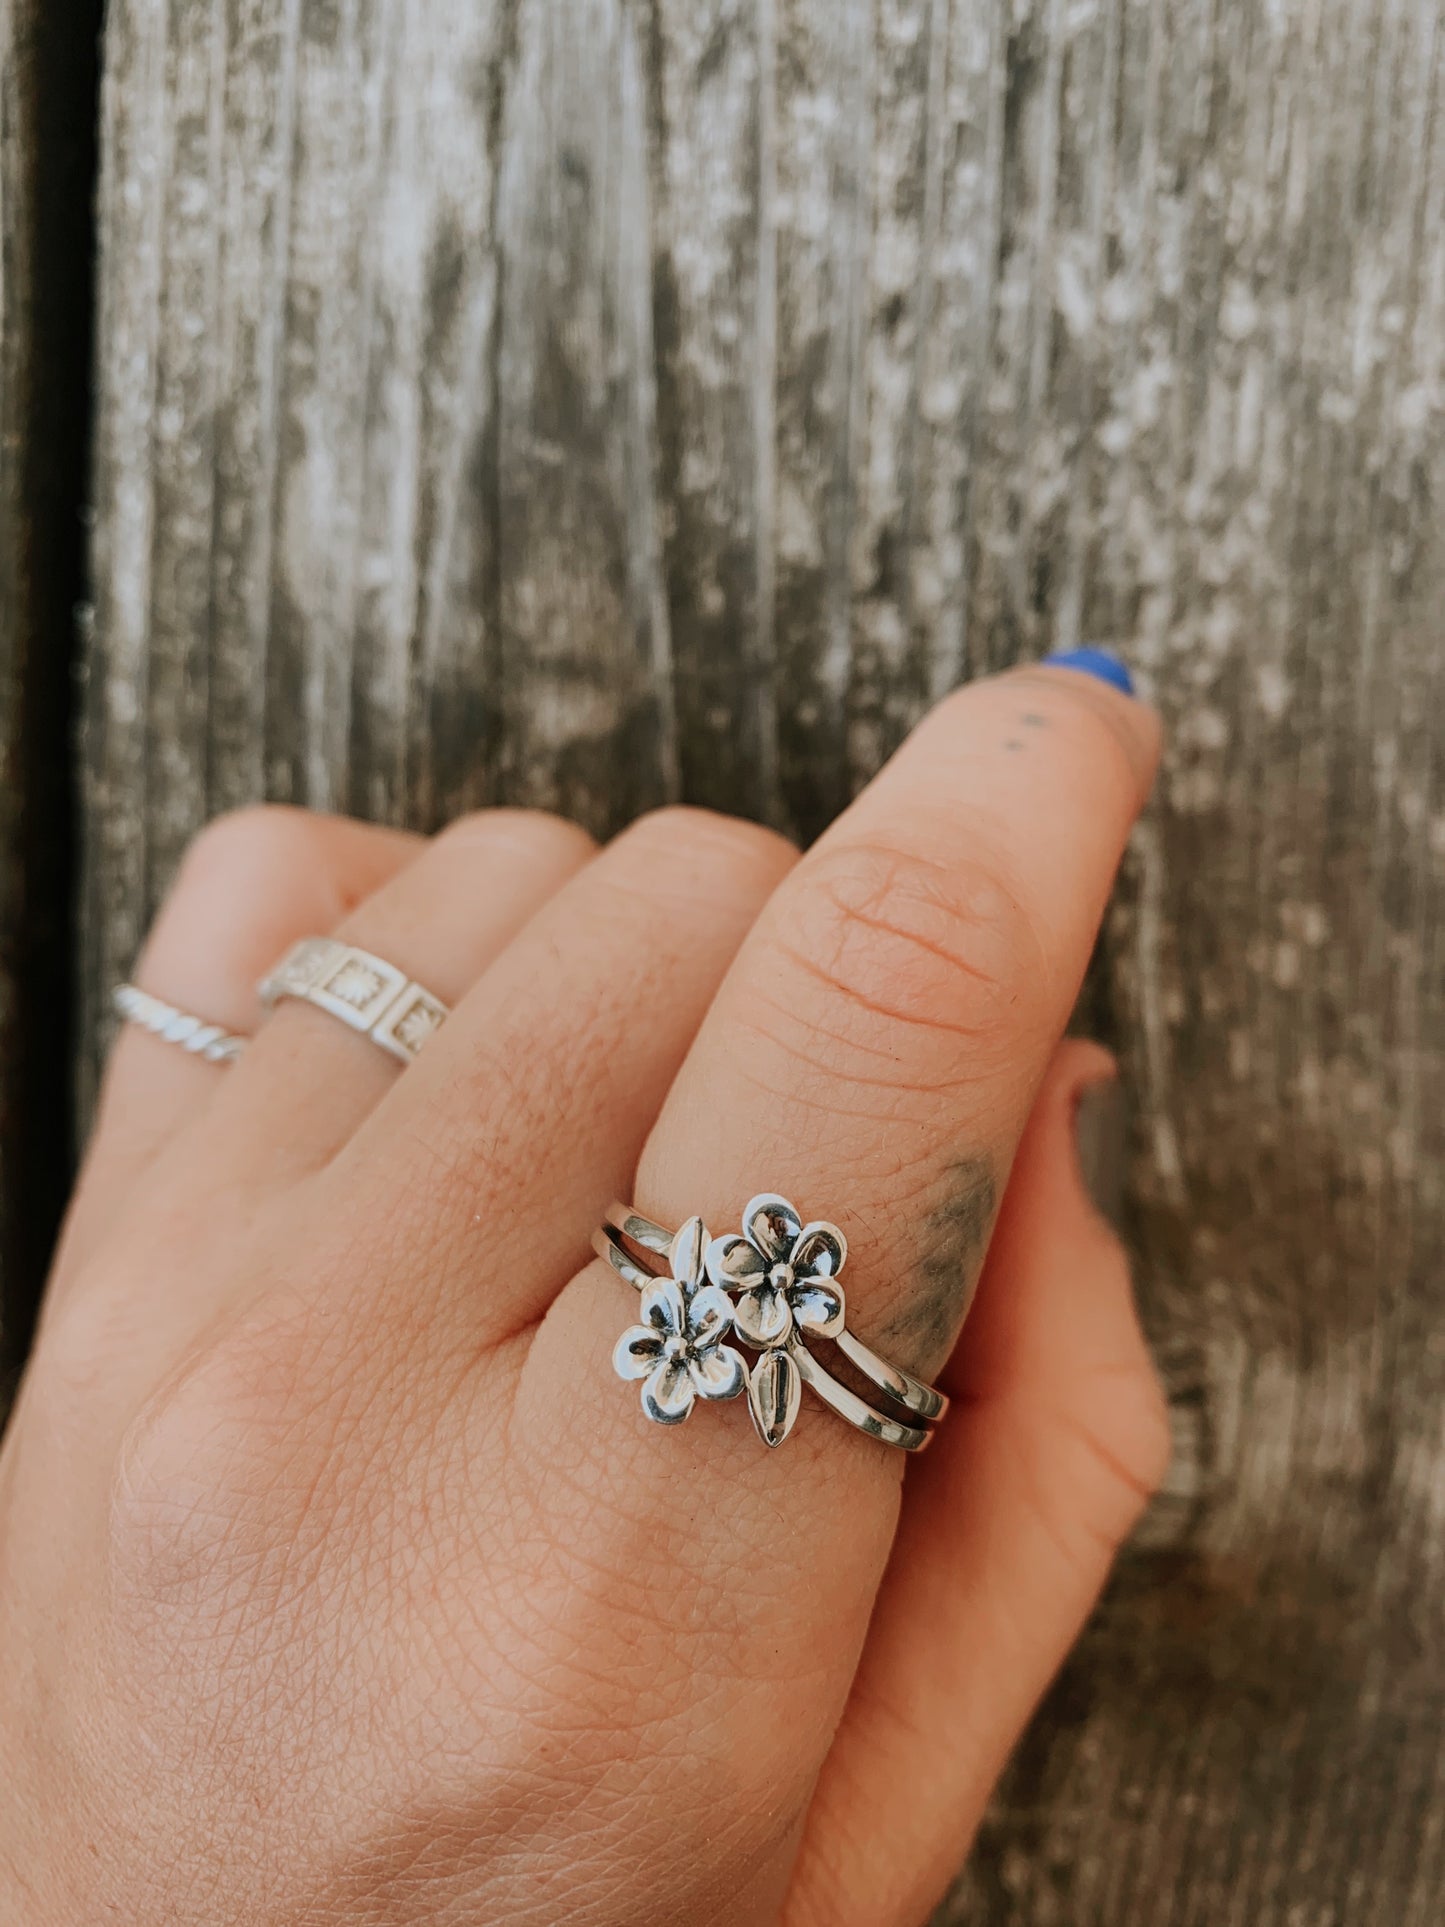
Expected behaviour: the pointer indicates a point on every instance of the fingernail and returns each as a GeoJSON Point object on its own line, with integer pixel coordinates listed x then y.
{"type": "Point", "coordinates": [1101, 1127]}
{"type": "Point", "coordinates": [1094, 662]}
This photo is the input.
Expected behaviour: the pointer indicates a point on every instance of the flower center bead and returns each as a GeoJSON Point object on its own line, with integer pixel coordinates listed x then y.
{"type": "Point", "coordinates": [677, 1347]}
{"type": "Point", "coordinates": [781, 1277]}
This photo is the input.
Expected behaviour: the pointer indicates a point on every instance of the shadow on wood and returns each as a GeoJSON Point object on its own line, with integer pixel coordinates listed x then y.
{"type": "Point", "coordinates": [48, 91]}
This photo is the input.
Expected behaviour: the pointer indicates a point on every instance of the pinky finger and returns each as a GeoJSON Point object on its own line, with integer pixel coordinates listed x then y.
{"type": "Point", "coordinates": [1008, 1531]}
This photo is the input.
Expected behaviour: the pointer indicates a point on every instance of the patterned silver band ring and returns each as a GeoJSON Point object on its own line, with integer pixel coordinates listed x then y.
{"type": "Point", "coordinates": [173, 1026]}
{"type": "Point", "coordinates": [363, 991]}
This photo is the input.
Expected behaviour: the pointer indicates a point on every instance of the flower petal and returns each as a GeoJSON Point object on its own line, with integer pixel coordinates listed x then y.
{"type": "Point", "coordinates": [775, 1390]}
{"type": "Point", "coordinates": [668, 1395]}
{"type": "Point", "coordinates": [636, 1352]}
{"type": "Point", "coordinates": [685, 1256]}
{"type": "Point", "coordinates": [772, 1224]}
{"type": "Point", "coordinates": [718, 1372]}
{"type": "Point", "coordinates": [818, 1306]}
{"type": "Point", "coordinates": [664, 1308]}
{"type": "Point", "coordinates": [734, 1264]}
{"type": "Point", "coordinates": [763, 1315]}
{"type": "Point", "coordinates": [709, 1315]}
{"type": "Point", "coordinates": [821, 1251]}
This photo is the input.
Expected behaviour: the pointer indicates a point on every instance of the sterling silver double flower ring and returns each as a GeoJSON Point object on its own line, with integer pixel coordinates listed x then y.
{"type": "Point", "coordinates": [773, 1288]}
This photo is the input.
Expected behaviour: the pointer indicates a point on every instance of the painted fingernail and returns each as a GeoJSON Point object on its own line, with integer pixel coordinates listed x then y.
{"type": "Point", "coordinates": [1094, 662]}
{"type": "Point", "coordinates": [1101, 1126]}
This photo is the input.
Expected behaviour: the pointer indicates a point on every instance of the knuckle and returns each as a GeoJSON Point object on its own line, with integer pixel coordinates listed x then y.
{"type": "Point", "coordinates": [879, 940]}
{"type": "Point", "coordinates": [238, 1470]}
{"type": "Point", "coordinates": [255, 837]}
{"type": "Point", "coordinates": [264, 853]}
{"type": "Point", "coordinates": [1118, 1439]}
{"type": "Point", "coordinates": [1149, 1446]}
{"type": "Point", "coordinates": [682, 832]}
{"type": "Point", "coordinates": [531, 833]}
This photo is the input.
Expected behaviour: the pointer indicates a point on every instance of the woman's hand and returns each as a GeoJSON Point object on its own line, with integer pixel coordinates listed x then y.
{"type": "Point", "coordinates": [340, 1578]}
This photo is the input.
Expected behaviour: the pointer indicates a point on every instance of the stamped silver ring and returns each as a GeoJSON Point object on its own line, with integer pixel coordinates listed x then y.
{"type": "Point", "coordinates": [772, 1288]}
{"type": "Point", "coordinates": [365, 992]}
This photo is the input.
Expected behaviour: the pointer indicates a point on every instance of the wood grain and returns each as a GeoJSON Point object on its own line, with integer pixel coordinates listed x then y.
{"type": "Point", "coordinates": [591, 406]}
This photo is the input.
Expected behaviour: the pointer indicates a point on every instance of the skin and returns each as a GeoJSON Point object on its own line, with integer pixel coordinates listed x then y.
{"type": "Point", "coordinates": [341, 1580]}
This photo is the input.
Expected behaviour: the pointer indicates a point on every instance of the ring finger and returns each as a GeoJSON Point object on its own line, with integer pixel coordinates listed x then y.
{"type": "Point", "coordinates": [306, 1081]}
{"type": "Point", "coordinates": [252, 883]}
{"type": "Point", "coordinates": [309, 1080]}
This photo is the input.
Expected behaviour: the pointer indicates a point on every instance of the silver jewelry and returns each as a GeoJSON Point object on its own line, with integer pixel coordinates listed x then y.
{"type": "Point", "coordinates": [366, 992]}
{"type": "Point", "coordinates": [174, 1026]}
{"type": "Point", "coordinates": [678, 1349]}
{"type": "Point", "coordinates": [779, 1280]}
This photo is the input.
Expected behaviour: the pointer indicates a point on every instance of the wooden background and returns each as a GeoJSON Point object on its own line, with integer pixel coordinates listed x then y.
{"type": "Point", "coordinates": [591, 402]}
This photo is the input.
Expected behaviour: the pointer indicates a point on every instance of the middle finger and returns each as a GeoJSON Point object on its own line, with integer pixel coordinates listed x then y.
{"type": "Point", "coordinates": [487, 1161]}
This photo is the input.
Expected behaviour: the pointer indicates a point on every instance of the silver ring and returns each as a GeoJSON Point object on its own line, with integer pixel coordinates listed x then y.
{"type": "Point", "coordinates": [174, 1026]}
{"type": "Point", "coordinates": [365, 992]}
{"type": "Point", "coordinates": [772, 1287]}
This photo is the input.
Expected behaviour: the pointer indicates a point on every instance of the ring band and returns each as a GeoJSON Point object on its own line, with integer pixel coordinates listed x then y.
{"type": "Point", "coordinates": [365, 992]}
{"type": "Point", "coordinates": [174, 1026]}
{"type": "Point", "coordinates": [784, 1274]}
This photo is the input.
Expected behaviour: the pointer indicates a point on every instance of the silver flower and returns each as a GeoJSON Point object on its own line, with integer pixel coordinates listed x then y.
{"type": "Point", "coordinates": [783, 1272]}
{"type": "Point", "coordinates": [678, 1347]}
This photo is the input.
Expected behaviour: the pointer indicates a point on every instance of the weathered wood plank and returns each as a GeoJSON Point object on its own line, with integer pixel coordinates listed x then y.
{"type": "Point", "coordinates": [47, 85]}
{"type": "Point", "coordinates": [712, 96]}
{"type": "Point", "coordinates": [598, 404]}
{"type": "Point", "coordinates": [584, 630]}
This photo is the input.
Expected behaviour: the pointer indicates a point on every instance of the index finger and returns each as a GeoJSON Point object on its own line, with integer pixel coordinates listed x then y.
{"type": "Point", "coordinates": [877, 1047]}
{"type": "Point", "coordinates": [872, 1055]}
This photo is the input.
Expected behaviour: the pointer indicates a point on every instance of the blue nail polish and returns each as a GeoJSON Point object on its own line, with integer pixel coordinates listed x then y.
{"type": "Point", "coordinates": [1094, 662]}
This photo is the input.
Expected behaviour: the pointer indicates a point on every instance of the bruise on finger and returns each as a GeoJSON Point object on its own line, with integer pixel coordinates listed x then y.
{"type": "Point", "coordinates": [952, 1239]}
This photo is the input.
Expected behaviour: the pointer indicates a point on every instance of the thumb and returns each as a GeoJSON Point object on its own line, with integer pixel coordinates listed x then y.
{"type": "Point", "coordinates": [1008, 1529]}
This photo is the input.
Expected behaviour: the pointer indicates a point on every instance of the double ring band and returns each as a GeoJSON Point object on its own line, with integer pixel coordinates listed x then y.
{"type": "Point", "coordinates": [364, 991]}
{"type": "Point", "coordinates": [774, 1288]}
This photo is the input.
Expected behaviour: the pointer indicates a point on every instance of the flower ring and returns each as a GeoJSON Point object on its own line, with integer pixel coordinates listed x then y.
{"type": "Point", "coordinates": [678, 1348]}
{"type": "Point", "coordinates": [783, 1272]}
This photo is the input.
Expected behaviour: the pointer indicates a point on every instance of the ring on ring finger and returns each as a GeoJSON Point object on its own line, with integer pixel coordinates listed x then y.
{"type": "Point", "coordinates": [363, 991]}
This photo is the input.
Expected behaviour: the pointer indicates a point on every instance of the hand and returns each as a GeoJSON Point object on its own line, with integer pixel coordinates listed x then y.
{"type": "Point", "coordinates": [340, 1578]}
